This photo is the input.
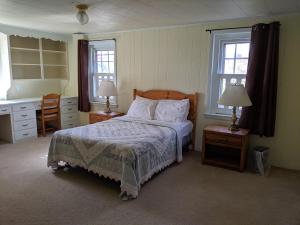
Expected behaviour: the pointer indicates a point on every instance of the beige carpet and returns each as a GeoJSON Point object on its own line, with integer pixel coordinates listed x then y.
{"type": "Point", "coordinates": [187, 193]}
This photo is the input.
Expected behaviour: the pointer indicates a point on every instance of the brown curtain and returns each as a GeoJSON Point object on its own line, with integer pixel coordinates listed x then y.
{"type": "Point", "coordinates": [261, 79]}
{"type": "Point", "coordinates": [83, 79]}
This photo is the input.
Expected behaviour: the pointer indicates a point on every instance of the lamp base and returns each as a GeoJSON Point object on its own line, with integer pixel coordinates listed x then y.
{"type": "Point", "coordinates": [107, 109]}
{"type": "Point", "coordinates": [233, 127]}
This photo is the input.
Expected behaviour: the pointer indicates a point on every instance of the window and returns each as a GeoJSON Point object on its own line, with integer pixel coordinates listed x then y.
{"type": "Point", "coordinates": [229, 61]}
{"type": "Point", "coordinates": [102, 55]}
{"type": "Point", "coordinates": [5, 79]}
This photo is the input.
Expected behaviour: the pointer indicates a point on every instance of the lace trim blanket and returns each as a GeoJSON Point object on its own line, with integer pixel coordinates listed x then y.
{"type": "Point", "coordinates": [123, 149]}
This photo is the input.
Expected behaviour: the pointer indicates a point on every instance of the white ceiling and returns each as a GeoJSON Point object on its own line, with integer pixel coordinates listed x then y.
{"type": "Point", "coordinates": [113, 15]}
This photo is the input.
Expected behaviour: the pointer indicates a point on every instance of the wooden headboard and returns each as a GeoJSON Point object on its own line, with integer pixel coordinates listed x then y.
{"type": "Point", "coordinates": [176, 95]}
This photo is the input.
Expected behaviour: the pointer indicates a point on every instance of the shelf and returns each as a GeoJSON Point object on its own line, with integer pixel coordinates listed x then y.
{"type": "Point", "coordinates": [24, 42]}
{"type": "Point", "coordinates": [25, 49]}
{"type": "Point", "coordinates": [25, 64]}
{"type": "Point", "coordinates": [30, 57]}
{"type": "Point", "coordinates": [52, 51]}
{"type": "Point", "coordinates": [54, 65]}
{"type": "Point", "coordinates": [48, 44]}
{"type": "Point", "coordinates": [222, 156]}
{"type": "Point", "coordinates": [26, 72]}
{"type": "Point", "coordinates": [54, 59]}
{"type": "Point", "coordinates": [222, 163]}
{"type": "Point", "coordinates": [55, 72]}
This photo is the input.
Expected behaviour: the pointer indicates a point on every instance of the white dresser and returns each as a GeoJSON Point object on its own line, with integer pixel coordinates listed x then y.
{"type": "Point", "coordinates": [18, 117]}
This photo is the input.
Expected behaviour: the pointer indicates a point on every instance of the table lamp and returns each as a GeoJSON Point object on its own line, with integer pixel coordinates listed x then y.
{"type": "Point", "coordinates": [235, 95]}
{"type": "Point", "coordinates": [107, 88]}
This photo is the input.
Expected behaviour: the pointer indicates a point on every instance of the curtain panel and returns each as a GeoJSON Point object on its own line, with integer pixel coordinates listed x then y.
{"type": "Point", "coordinates": [261, 80]}
{"type": "Point", "coordinates": [83, 79]}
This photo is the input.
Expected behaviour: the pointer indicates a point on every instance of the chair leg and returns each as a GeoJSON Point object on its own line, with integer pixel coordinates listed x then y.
{"type": "Point", "coordinates": [43, 128]}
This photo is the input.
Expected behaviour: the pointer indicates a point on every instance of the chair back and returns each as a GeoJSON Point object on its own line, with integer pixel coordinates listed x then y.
{"type": "Point", "coordinates": [51, 106]}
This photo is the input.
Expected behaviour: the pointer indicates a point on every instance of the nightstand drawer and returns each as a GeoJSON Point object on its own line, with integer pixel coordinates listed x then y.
{"type": "Point", "coordinates": [215, 138]}
{"type": "Point", "coordinates": [94, 118]}
{"type": "Point", "coordinates": [100, 116]}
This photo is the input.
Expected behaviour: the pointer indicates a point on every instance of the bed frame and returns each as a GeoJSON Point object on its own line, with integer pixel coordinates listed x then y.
{"type": "Point", "coordinates": [176, 95]}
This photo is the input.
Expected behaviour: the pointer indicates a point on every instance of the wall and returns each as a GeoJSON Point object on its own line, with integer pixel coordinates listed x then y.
{"type": "Point", "coordinates": [34, 88]}
{"type": "Point", "coordinates": [178, 57]}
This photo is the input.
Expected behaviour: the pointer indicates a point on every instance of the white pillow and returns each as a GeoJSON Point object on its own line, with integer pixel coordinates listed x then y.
{"type": "Point", "coordinates": [172, 110]}
{"type": "Point", "coordinates": [142, 108]}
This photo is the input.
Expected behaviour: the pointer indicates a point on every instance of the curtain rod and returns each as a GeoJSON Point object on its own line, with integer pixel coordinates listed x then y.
{"type": "Point", "coordinates": [229, 28]}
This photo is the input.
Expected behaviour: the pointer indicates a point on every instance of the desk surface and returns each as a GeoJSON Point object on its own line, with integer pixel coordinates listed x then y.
{"type": "Point", "coordinates": [26, 100]}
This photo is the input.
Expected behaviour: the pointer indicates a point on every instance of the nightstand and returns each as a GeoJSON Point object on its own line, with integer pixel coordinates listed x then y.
{"type": "Point", "coordinates": [225, 148]}
{"type": "Point", "coordinates": [99, 116]}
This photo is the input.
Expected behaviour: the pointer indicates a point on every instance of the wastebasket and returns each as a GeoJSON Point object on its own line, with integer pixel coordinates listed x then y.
{"type": "Point", "coordinates": [262, 164]}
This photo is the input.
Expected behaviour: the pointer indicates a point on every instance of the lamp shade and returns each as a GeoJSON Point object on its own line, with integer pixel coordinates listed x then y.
{"type": "Point", "coordinates": [107, 88]}
{"type": "Point", "coordinates": [235, 95]}
{"type": "Point", "coordinates": [82, 17]}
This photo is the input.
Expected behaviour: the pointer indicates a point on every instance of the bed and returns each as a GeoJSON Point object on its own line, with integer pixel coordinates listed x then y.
{"type": "Point", "coordinates": [126, 149]}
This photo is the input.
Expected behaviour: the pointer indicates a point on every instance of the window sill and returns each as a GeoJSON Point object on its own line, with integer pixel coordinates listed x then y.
{"type": "Point", "coordinates": [104, 104]}
{"type": "Point", "coordinates": [217, 116]}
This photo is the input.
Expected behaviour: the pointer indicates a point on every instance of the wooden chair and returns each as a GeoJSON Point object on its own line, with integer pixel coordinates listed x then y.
{"type": "Point", "coordinates": [50, 112]}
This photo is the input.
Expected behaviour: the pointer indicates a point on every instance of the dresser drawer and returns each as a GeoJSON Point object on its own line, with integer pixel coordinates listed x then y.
{"type": "Point", "coordinates": [69, 109]}
{"type": "Point", "coordinates": [69, 101]}
{"type": "Point", "coordinates": [69, 117]}
{"type": "Point", "coordinates": [5, 110]}
{"type": "Point", "coordinates": [23, 134]}
{"type": "Point", "coordinates": [24, 115]}
{"type": "Point", "coordinates": [69, 124]}
{"type": "Point", "coordinates": [25, 124]}
{"type": "Point", "coordinates": [21, 107]}
{"type": "Point", "coordinates": [215, 138]}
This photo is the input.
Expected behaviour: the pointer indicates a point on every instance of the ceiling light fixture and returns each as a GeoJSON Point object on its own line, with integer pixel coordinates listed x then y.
{"type": "Point", "coordinates": [81, 15]}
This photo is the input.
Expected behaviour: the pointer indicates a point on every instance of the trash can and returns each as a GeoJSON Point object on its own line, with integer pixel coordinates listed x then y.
{"type": "Point", "coordinates": [261, 157]}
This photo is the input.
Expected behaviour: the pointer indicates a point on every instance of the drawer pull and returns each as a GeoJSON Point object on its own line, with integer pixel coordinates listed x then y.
{"type": "Point", "coordinates": [70, 124]}
{"type": "Point", "coordinates": [69, 102]}
{"type": "Point", "coordinates": [24, 115]}
{"type": "Point", "coordinates": [25, 125]}
{"type": "Point", "coordinates": [26, 134]}
{"type": "Point", "coordinates": [69, 109]}
{"type": "Point", "coordinates": [70, 117]}
{"type": "Point", "coordinates": [23, 107]}
{"type": "Point", "coordinates": [3, 110]}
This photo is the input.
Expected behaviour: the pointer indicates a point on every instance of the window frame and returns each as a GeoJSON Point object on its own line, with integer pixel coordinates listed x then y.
{"type": "Point", "coordinates": [218, 40]}
{"type": "Point", "coordinates": [94, 46]}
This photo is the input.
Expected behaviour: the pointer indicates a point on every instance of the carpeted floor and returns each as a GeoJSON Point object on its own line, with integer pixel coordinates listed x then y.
{"type": "Point", "coordinates": [187, 193]}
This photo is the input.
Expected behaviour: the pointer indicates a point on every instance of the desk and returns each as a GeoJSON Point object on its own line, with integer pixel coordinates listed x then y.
{"type": "Point", "coordinates": [18, 117]}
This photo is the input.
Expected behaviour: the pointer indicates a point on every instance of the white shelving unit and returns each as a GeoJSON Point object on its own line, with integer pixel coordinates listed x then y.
{"type": "Point", "coordinates": [38, 58]}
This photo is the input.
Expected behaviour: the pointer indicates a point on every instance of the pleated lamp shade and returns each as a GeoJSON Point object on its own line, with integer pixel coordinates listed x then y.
{"type": "Point", "coordinates": [235, 95]}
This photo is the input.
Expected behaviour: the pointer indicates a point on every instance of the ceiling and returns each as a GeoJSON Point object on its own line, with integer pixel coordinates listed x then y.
{"type": "Point", "coordinates": [114, 15]}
